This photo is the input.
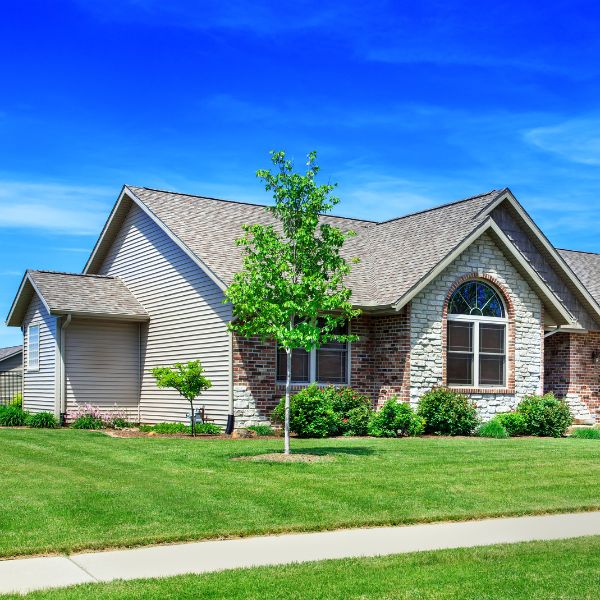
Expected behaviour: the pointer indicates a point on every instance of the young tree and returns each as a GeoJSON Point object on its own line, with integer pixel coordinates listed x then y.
{"type": "Point", "coordinates": [187, 379]}
{"type": "Point", "coordinates": [291, 288]}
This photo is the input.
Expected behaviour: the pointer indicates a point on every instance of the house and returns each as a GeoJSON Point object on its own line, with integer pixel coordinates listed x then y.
{"type": "Point", "coordinates": [470, 295]}
{"type": "Point", "coordinates": [11, 359]}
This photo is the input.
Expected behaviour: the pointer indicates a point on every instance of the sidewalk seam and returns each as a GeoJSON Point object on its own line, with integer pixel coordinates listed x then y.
{"type": "Point", "coordinates": [69, 558]}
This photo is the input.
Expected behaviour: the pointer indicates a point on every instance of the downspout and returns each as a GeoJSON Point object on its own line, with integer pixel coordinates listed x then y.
{"type": "Point", "coordinates": [63, 378]}
{"type": "Point", "coordinates": [230, 416]}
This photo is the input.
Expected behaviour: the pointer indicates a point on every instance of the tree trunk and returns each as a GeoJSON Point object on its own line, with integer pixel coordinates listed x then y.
{"type": "Point", "coordinates": [288, 382]}
{"type": "Point", "coordinates": [193, 419]}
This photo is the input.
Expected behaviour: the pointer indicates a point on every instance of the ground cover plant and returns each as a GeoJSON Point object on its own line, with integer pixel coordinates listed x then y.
{"type": "Point", "coordinates": [42, 420]}
{"type": "Point", "coordinates": [492, 429]}
{"type": "Point", "coordinates": [178, 428]}
{"type": "Point", "coordinates": [262, 430]}
{"type": "Point", "coordinates": [98, 491]}
{"type": "Point", "coordinates": [586, 433]}
{"type": "Point", "coordinates": [556, 570]}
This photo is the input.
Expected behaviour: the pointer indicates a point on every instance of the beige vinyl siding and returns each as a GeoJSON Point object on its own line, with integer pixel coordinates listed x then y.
{"type": "Point", "coordinates": [14, 363]}
{"type": "Point", "coordinates": [102, 364]}
{"type": "Point", "coordinates": [187, 316]}
{"type": "Point", "coordinates": [39, 386]}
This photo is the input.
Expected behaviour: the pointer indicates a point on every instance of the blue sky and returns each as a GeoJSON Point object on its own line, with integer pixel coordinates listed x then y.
{"type": "Point", "coordinates": [408, 104]}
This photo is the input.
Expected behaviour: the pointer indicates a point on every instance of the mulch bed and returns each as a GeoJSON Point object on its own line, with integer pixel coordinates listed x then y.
{"type": "Point", "coordinates": [286, 458]}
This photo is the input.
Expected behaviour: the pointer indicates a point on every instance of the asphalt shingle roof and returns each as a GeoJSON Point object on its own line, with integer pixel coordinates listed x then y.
{"type": "Point", "coordinates": [86, 294]}
{"type": "Point", "coordinates": [394, 255]}
{"type": "Point", "coordinates": [586, 265]}
{"type": "Point", "coordinates": [9, 351]}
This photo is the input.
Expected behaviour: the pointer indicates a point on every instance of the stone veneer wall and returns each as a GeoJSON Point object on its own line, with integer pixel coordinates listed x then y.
{"type": "Point", "coordinates": [570, 373]}
{"type": "Point", "coordinates": [428, 329]}
{"type": "Point", "coordinates": [379, 368]}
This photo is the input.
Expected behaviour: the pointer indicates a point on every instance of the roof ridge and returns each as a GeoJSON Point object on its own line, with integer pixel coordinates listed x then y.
{"type": "Point", "coordinates": [238, 202]}
{"type": "Point", "coordinates": [578, 251]}
{"type": "Point", "coordinates": [437, 207]}
{"type": "Point", "coordinates": [70, 273]}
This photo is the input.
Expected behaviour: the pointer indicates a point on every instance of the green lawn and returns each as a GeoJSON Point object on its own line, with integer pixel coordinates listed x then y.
{"type": "Point", "coordinates": [68, 490]}
{"type": "Point", "coordinates": [537, 570]}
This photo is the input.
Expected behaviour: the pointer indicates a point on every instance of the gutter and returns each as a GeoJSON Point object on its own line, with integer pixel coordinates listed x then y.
{"type": "Point", "coordinates": [63, 379]}
{"type": "Point", "coordinates": [564, 329]}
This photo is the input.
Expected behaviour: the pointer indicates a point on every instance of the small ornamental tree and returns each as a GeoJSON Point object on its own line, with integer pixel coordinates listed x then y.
{"type": "Point", "coordinates": [187, 379]}
{"type": "Point", "coordinates": [291, 287]}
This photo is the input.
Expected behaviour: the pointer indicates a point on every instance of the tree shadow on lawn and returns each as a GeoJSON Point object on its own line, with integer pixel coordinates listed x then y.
{"type": "Point", "coordinates": [323, 450]}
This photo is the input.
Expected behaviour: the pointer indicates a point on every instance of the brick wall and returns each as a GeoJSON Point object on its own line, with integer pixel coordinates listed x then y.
{"type": "Point", "coordinates": [379, 367]}
{"type": "Point", "coordinates": [570, 373]}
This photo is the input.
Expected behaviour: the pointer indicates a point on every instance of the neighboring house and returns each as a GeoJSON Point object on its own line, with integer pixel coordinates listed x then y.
{"type": "Point", "coordinates": [470, 295]}
{"type": "Point", "coordinates": [11, 359]}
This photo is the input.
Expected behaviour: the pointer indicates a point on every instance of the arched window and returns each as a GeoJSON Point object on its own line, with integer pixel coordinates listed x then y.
{"type": "Point", "coordinates": [476, 352]}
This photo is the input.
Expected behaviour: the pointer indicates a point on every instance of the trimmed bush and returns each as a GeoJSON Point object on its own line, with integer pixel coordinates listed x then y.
{"type": "Point", "coordinates": [492, 429]}
{"type": "Point", "coordinates": [513, 422]}
{"type": "Point", "coordinates": [586, 433]}
{"type": "Point", "coordinates": [12, 415]}
{"type": "Point", "coordinates": [357, 420]}
{"type": "Point", "coordinates": [447, 412]}
{"type": "Point", "coordinates": [311, 413]}
{"type": "Point", "coordinates": [345, 400]}
{"type": "Point", "coordinates": [545, 415]}
{"type": "Point", "coordinates": [42, 420]}
{"type": "Point", "coordinates": [396, 419]}
{"type": "Point", "coordinates": [261, 430]}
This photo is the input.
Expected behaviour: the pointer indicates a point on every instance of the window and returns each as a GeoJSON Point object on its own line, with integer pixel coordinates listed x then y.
{"type": "Point", "coordinates": [327, 364]}
{"type": "Point", "coordinates": [33, 348]}
{"type": "Point", "coordinates": [476, 337]}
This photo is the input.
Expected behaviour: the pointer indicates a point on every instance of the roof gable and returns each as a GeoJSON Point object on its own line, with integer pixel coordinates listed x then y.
{"type": "Point", "coordinates": [6, 353]}
{"type": "Point", "coordinates": [77, 295]}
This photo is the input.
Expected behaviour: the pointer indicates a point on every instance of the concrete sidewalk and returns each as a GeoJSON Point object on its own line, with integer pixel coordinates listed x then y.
{"type": "Point", "coordinates": [27, 574]}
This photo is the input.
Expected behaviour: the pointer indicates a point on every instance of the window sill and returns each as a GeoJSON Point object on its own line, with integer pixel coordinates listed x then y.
{"type": "Point", "coordinates": [481, 390]}
{"type": "Point", "coordinates": [299, 386]}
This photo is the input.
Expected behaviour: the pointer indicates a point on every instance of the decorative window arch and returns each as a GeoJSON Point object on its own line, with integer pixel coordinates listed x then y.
{"type": "Point", "coordinates": [476, 336]}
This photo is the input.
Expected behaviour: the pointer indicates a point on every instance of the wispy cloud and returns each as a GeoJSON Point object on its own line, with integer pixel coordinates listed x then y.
{"type": "Point", "coordinates": [576, 140]}
{"type": "Point", "coordinates": [58, 208]}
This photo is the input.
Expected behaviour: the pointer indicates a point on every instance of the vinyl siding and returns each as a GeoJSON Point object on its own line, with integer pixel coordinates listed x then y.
{"type": "Point", "coordinates": [14, 363]}
{"type": "Point", "coordinates": [39, 386]}
{"type": "Point", "coordinates": [102, 364]}
{"type": "Point", "coordinates": [187, 316]}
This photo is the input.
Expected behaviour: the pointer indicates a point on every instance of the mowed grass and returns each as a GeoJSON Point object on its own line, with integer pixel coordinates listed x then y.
{"type": "Point", "coordinates": [68, 490]}
{"type": "Point", "coordinates": [536, 570]}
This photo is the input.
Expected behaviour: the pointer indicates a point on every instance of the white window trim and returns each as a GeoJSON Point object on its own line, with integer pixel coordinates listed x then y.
{"type": "Point", "coordinates": [31, 369]}
{"type": "Point", "coordinates": [312, 367]}
{"type": "Point", "coordinates": [477, 320]}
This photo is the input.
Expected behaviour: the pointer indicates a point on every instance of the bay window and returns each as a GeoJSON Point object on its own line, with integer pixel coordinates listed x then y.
{"type": "Point", "coordinates": [476, 341]}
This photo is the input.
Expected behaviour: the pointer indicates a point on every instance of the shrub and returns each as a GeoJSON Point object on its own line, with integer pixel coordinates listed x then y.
{"type": "Point", "coordinates": [545, 415]}
{"type": "Point", "coordinates": [513, 422]}
{"type": "Point", "coordinates": [586, 433]}
{"type": "Point", "coordinates": [87, 422]}
{"type": "Point", "coordinates": [447, 412]}
{"type": "Point", "coordinates": [261, 430]}
{"type": "Point", "coordinates": [357, 420]}
{"type": "Point", "coordinates": [395, 418]}
{"type": "Point", "coordinates": [42, 420]}
{"type": "Point", "coordinates": [345, 400]}
{"type": "Point", "coordinates": [311, 413]}
{"type": "Point", "coordinates": [12, 415]}
{"type": "Point", "coordinates": [120, 423]}
{"type": "Point", "coordinates": [492, 429]}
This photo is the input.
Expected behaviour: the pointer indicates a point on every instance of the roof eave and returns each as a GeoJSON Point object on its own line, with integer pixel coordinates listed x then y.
{"type": "Point", "coordinates": [542, 289]}
{"type": "Point", "coordinates": [10, 319]}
